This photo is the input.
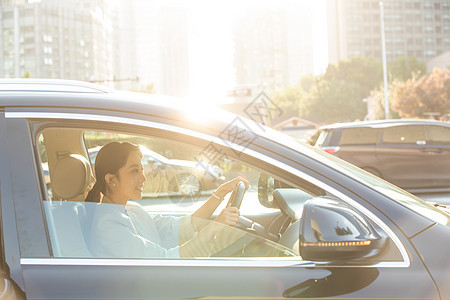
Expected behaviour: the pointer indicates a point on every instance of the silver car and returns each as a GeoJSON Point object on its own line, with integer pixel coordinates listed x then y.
{"type": "Point", "coordinates": [311, 224]}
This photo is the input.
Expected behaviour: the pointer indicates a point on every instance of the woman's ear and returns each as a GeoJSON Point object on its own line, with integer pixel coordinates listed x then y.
{"type": "Point", "coordinates": [110, 180]}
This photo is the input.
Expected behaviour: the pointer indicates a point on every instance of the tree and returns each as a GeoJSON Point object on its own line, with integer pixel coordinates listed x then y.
{"type": "Point", "coordinates": [378, 104]}
{"type": "Point", "coordinates": [338, 94]}
{"type": "Point", "coordinates": [307, 82]}
{"type": "Point", "coordinates": [405, 68]}
{"type": "Point", "coordinates": [399, 71]}
{"type": "Point", "coordinates": [289, 99]}
{"type": "Point", "coordinates": [428, 94]}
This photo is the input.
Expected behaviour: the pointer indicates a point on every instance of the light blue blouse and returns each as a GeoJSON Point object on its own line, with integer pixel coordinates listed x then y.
{"type": "Point", "coordinates": [121, 231]}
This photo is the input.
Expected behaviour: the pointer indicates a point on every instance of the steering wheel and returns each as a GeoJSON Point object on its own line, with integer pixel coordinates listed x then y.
{"type": "Point", "coordinates": [237, 195]}
{"type": "Point", "coordinates": [243, 222]}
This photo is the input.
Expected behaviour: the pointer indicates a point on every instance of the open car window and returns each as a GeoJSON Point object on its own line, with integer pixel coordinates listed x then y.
{"type": "Point", "coordinates": [180, 178]}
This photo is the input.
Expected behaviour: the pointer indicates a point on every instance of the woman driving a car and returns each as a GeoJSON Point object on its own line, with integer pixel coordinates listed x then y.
{"type": "Point", "coordinates": [122, 228]}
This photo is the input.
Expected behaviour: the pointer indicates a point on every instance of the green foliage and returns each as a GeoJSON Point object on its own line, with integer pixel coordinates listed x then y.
{"type": "Point", "coordinates": [307, 82]}
{"type": "Point", "coordinates": [399, 71]}
{"type": "Point", "coordinates": [27, 74]}
{"type": "Point", "coordinates": [378, 104]}
{"type": "Point", "coordinates": [428, 94]}
{"type": "Point", "coordinates": [405, 68]}
{"type": "Point", "coordinates": [337, 95]}
{"type": "Point", "coordinates": [366, 71]}
{"type": "Point", "coordinates": [288, 100]}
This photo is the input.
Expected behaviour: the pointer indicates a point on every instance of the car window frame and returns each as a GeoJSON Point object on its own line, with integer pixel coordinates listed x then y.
{"type": "Point", "coordinates": [137, 131]}
{"type": "Point", "coordinates": [376, 136]}
{"type": "Point", "coordinates": [114, 123]}
{"type": "Point", "coordinates": [428, 135]}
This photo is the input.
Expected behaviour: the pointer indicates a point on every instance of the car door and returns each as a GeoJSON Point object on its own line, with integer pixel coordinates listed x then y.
{"type": "Point", "coordinates": [358, 145]}
{"type": "Point", "coordinates": [438, 154]}
{"type": "Point", "coordinates": [47, 274]}
{"type": "Point", "coordinates": [403, 158]}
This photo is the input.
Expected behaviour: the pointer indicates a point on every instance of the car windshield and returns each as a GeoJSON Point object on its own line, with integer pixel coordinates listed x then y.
{"type": "Point", "coordinates": [390, 190]}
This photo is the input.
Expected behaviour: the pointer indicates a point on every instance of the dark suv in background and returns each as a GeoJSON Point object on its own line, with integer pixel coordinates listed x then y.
{"type": "Point", "coordinates": [413, 154]}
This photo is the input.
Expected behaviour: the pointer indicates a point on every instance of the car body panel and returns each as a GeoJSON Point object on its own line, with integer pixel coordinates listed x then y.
{"type": "Point", "coordinates": [136, 279]}
{"type": "Point", "coordinates": [55, 275]}
{"type": "Point", "coordinates": [434, 259]}
{"type": "Point", "coordinates": [10, 241]}
{"type": "Point", "coordinates": [399, 165]}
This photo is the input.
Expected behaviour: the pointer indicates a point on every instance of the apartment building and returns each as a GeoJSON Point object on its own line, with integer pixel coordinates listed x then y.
{"type": "Point", "coordinates": [69, 39]}
{"type": "Point", "coordinates": [419, 28]}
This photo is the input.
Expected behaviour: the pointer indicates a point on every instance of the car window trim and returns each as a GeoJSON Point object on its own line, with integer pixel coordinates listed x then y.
{"type": "Point", "coordinates": [145, 123]}
{"type": "Point", "coordinates": [428, 135]}
{"type": "Point", "coordinates": [10, 240]}
{"type": "Point", "coordinates": [203, 262]}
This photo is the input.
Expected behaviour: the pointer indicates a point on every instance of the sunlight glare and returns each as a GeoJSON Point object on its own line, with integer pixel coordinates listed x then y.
{"type": "Point", "coordinates": [200, 110]}
{"type": "Point", "coordinates": [211, 47]}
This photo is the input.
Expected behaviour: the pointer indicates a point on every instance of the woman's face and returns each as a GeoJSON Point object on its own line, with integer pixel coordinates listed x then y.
{"type": "Point", "coordinates": [130, 179]}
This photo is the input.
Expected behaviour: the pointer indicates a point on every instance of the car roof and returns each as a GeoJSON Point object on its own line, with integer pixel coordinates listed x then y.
{"type": "Point", "coordinates": [49, 85]}
{"type": "Point", "coordinates": [383, 123]}
{"type": "Point", "coordinates": [77, 94]}
{"type": "Point", "coordinates": [59, 96]}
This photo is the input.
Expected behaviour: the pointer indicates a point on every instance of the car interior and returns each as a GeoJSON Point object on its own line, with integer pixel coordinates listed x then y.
{"type": "Point", "coordinates": [67, 216]}
{"type": "Point", "coordinates": [71, 177]}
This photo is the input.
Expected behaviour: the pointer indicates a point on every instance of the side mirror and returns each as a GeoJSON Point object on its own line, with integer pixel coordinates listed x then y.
{"type": "Point", "coordinates": [330, 230]}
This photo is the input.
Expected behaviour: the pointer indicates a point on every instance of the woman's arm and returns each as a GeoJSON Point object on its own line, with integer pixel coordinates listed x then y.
{"type": "Point", "coordinates": [228, 216]}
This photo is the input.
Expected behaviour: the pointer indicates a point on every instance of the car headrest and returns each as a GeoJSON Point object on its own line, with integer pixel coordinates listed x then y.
{"type": "Point", "coordinates": [71, 178]}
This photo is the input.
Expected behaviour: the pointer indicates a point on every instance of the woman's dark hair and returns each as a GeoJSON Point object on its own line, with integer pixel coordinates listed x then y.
{"type": "Point", "coordinates": [110, 158]}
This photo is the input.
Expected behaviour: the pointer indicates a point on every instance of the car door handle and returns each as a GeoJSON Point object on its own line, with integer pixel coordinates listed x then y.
{"type": "Point", "coordinates": [431, 151]}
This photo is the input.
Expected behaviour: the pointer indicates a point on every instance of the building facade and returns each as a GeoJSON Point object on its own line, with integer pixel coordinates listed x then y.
{"type": "Point", "coordinates": [125, 63]}
{"type": "Point", "coordinates": [273, 48]}
{"type": "Point", "coordinates": [174, 49]}
{"type": "Point", "coordinates": [419, 28]}
{"type": "Point", "coordinates": [441, 62]}
{"type": "Point", "coordinates": [152, 39]}
{"type": "Point", "coordinates": [56, 39]}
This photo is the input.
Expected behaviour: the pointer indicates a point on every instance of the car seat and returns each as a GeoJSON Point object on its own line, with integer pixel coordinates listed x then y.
{"type": "Point", "coordinates": [67, 218]}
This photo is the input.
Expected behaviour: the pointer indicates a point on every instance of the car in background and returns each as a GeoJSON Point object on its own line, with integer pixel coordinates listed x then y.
{"type": "Point", "coordinates": [413, 154]}
{"type": "Point", "coordinates": [172, 176]}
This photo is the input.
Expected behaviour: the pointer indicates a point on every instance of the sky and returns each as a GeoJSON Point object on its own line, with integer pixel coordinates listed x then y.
{"type": "Point", "coordinates": [211, 45]}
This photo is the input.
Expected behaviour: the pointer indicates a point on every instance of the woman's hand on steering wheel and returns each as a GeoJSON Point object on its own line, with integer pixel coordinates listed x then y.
{"type": "Point", "coordinates": [229, 216]}
{"type": "Point", "coordinates": [230, 186]}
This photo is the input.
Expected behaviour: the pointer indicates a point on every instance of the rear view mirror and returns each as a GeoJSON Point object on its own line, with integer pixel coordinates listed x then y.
{"type": "Point", "coordinates": [331, 230]}
{"type": "Point", "coordinates": [266, 186]}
